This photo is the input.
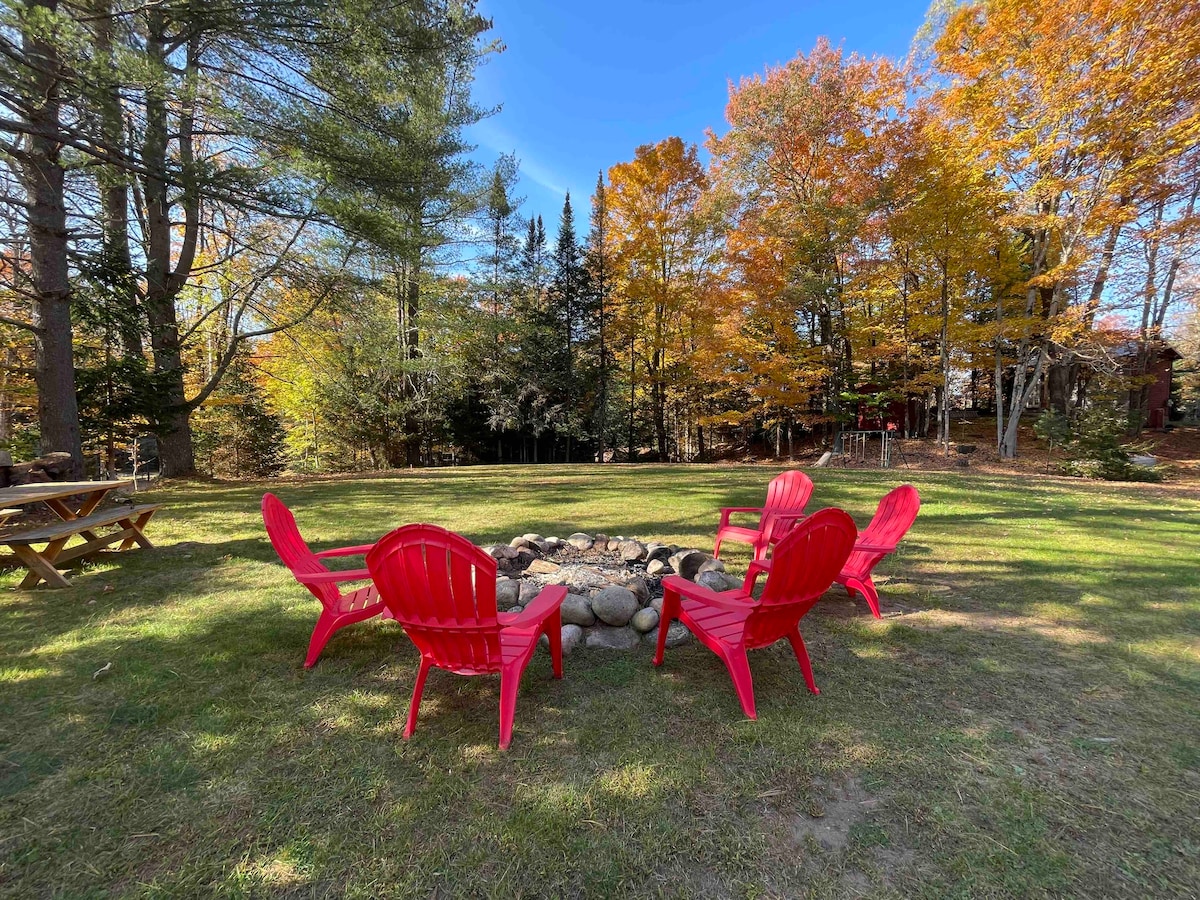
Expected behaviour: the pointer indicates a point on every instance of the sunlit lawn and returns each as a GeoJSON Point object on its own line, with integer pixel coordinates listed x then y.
{"type": "Point", "coordinates": [1029, 725]}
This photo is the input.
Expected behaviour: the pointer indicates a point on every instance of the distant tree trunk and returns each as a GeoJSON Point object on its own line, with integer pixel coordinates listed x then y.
{"type": "Point", "coordinates": [164, 281]}
{"type": "Point", "coordinates": [43, 176]}
{"type": "Point", "coordinates": [632, 394]}
{"type": "Point", "coordinates": [944, 342]}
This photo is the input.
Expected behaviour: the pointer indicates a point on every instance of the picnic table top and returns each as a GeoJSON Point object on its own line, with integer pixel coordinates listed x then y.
{"type": "Point", "coordinates": [55, 490]}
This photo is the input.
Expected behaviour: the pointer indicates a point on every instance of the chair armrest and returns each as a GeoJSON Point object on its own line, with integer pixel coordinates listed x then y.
{"type": "Point", "coordinates": [546, 602]}
{"type": "Point", "coordinates": [758, 567]}
{"type": "Point", "coordinates": [344, 551]}
{"type": "Point", "coordinates": [874, 548]}
{"type": "Point", "coordinates": [332, 577]}
{"type": "Point", "coordinates": [727, 511]}
{"type": "Point", "coordinates": [707, 596]}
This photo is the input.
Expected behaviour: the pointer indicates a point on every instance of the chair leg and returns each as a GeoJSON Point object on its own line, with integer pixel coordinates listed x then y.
{"type": "Point", "coordinates": [871, 595]}
{"type": "Point", "coordinates": [717, 548]}
{"type": "Point", "coordinates": [414, 706]}
{"type": "Point", "coordinates": [322, 632]}
{"type": "Point", "coordinates": [510, 682]}
{"type": "Point", "coordinates": [739, 670]}
{"type": "Point", "coordinates": [554, 635]}
{"type": "Point", "coordinates": [670, 610]}
{"type": "Point", "coordinates": [802, 657]}
{"type": "Point", "coordinates": [866, 587]}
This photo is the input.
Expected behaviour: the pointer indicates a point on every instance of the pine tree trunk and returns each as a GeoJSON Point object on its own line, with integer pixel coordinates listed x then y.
{"type": "Point", "coordinates": [43, 176]}
{"type": "Point", "coordinates": [174, 431]}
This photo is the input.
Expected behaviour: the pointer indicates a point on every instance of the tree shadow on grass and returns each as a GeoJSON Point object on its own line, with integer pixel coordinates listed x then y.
{"type": "Point", "coordinates": [208, 759]}
{"type": "Point", "coordinates": [215, 730]}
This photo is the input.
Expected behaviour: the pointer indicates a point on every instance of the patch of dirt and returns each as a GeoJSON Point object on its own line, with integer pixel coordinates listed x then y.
{"type": "Point", "coordinates": [835, 808]}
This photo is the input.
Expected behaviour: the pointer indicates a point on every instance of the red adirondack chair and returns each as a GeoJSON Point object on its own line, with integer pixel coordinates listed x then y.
{"type": "Point", "coordinates": [337, 609]}
{"type": "Point", "coordinates": [786, 496]}
{"type": "Point", "coordinates": [894, 516]}
{"type": "Point", "coordinates": [732, 622]}
{"type": "Point", "coordinates": [442, 589]}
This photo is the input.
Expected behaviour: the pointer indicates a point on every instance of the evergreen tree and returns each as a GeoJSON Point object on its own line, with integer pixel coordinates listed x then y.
{"type": "Point", "coordinates": [570, 316]}
{"type": "Point", "coordinates": [598, 270]}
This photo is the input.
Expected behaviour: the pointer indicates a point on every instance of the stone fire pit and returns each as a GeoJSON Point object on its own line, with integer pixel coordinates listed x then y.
{"type": "Point", "coordinates": [614, 583]}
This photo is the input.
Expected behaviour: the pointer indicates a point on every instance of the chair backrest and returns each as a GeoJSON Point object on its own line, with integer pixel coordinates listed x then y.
{"type": "Point", "coordinates": [803, 567]}
{"type": "Point", "coordinates": [789, 490]}
{"type": "Point", "coordinates": [292, 550]}
{"type": "Point", "coordinates": [893, 517]}
{"type": "Point", "coordinates": [442, 589]}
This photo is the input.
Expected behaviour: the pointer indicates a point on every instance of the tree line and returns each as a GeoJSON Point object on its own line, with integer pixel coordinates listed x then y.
{"type": "Point", "coordinates": [274, 246]}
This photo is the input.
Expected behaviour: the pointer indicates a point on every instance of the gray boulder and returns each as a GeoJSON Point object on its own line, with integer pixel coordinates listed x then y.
{"type": "Point", "coordinates": [677, 634]}
{"type": "Point", "coordinates": [571, 636]}
{"type": "Point", "coordinates": [613, 544]}
{"type": "Point", "coordinates": [500, 551]}
{"type": "Point", "coordinates": [580, 541]}
{"type": "Point", "coordinates": [520, 543]}
{"type": "Point", "coordinates": [516, 610]}
{"type": "Point", "coordinates": [712, 565]}
{"type": "Point", "coordinates": [602, 637]}
{"type": "Point", "coordinates": [644, 620]}
{"type": "Point", "coordinates": [536, 538]}
{"type": "Point", "coordinates": [600, 539]}
{"type": "Point", "coordinates": [687, 563]}
{"type": "Point", "coordinates": [576, 610]}
{"type": "Point", "coordinates": [632, 551]}
{"type": "Point", "coordinates": [714, 581]}
{"type": "Point", "coordinates": [508, 592]}
{"type": "Point", "coordinates": [529, 590]}
{"type": "Point", "coordinates": [657, 567]}
{"type": "Point", "coordinates": [656, 605]}
{"type": "Point", "coordinates": [614, 605]}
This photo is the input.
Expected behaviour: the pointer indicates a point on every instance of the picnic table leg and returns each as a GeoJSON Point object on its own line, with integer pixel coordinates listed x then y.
{"type": "Point", "coordinates": [40, 568]}
{"type": "Point", "coordinates": [65, 512]}
{"type": "Point", "coordinates": [137, 536]}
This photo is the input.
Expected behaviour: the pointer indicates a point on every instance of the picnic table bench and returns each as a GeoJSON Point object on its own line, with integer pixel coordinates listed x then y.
{"type": "Point", "coordinates": [82, 521]}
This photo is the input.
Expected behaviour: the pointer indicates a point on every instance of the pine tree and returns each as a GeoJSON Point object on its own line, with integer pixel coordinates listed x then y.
{"type": "Point", "coordinates": [569, 316]}
{"type": "Point", "coordinates": [598, 267]}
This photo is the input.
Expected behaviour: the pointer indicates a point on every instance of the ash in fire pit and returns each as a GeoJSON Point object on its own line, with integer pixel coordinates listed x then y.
{"type": "Point", "coordinates": [614, 584]}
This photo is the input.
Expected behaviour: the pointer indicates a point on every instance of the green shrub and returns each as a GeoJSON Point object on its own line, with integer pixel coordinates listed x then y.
{"type": "Point", "coordinates": [1094, 448]}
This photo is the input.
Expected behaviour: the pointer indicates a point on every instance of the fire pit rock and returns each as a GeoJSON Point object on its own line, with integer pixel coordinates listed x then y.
{"type": "Point", "coordinates": [614, 583]}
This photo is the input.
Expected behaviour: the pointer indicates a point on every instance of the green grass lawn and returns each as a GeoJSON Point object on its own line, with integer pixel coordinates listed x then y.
{"type": "Point", "coordinates": [1030, 725]}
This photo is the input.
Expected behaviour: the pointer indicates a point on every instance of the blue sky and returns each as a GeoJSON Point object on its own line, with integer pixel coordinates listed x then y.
{"type": "Point", "coordinates": [583, 84]}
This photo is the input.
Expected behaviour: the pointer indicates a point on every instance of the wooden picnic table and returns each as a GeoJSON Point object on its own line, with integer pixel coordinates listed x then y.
{"type": "Point", "coordinates": [77, 518]}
